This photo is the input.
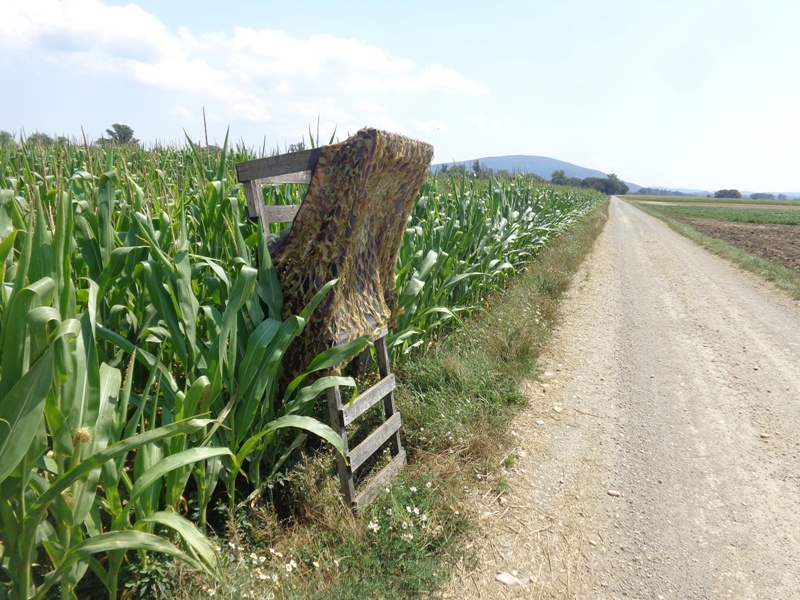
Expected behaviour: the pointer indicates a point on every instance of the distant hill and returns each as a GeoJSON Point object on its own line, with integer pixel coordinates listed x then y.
{"type": "Point", "coordinates": [544, 167]}
{"type": "Point", "coordinates": [536, 165]}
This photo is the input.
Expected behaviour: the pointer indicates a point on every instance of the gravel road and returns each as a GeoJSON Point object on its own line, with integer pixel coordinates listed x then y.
{"type": "Point", "coordinates": [660, 454]}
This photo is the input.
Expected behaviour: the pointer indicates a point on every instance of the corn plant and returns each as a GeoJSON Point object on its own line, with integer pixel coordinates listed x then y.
{"type": "Point", "coordinates": [142, 342]}
{"type": "Point", "coordinates": [465, 238]}
{"type": "Point", "coordinates": [62, 417]}
{"type": "Point", "coordinates": [99, 278]}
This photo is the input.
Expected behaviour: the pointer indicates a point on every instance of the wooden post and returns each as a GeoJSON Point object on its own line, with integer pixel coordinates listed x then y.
{"type": "Point", "coordinates": [389, 407]}
{"type": "Point", "coordinates": [339, 426]}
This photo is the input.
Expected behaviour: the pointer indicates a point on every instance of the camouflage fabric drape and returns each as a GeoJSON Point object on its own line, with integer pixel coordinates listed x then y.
{"type": "Point", "coordinates": [350, 226]}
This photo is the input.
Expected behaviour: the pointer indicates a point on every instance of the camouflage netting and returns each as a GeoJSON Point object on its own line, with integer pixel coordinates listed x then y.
{"type": "Point", "coordinates": [350, 226]}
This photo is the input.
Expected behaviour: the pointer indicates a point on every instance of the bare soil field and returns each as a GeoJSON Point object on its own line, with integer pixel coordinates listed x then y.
{"type": "Point", "coordinates": [777, 243]}
{"type": "Point", "coordinates": [659, 456]}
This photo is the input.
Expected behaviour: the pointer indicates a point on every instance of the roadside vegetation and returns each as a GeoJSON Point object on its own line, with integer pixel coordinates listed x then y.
{"type": "Point", "coordinates": [143, 417]}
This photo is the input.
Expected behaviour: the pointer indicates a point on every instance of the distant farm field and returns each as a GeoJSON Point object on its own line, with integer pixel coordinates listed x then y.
{"type": "Point", "coordinates": [770, 229]}
{"type": "Point", "coordinates": [702, 201]}
{"type": "Point", "coordinates": [732, 212]}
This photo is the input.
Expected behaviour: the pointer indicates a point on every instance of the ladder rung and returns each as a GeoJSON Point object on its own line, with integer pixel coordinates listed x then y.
{"type": "Point", "coordinates": [381, 480]}
{"type": "Point", "coordinates": [367, 399]}
{"type": "Point", "coordinates": [367, 448]}
{"type": "Point", "coordinates": [272, 166]}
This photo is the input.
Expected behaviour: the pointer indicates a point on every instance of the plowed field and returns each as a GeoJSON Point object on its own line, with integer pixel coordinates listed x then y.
{"type": "Point", "coordinates": [777, 243]}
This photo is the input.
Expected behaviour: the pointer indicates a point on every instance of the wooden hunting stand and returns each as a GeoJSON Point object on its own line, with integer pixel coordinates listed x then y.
{"type": "Point", "coordinates": [390, 160]}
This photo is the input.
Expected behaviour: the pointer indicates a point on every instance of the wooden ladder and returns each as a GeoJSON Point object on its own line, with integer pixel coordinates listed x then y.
{"type": "Point", "coordinates": [297, 167]}
{"type": "Point", "coordinates": [343, 414]}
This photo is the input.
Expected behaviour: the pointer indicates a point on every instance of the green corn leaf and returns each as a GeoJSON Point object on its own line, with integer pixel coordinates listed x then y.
{"type": "Point", "coordinates": [191, 535]}
{"type": "Point", "coordinates": [6, 221]}
{"type": "Point", "coordinates": [6, 251]}
{"type": "Point", "coordinates": [221, 274]}
{"type": "Point", "coordinates": [196, 397]}
{"type": "Point", "coordinates": [314, 302]}
{"type": "Point", "coordinates": [266, 381]}
{"type": "Point", "coordinates": [427, 265]}
{"type": "Point", "coordinates": [21, 412]}
{"type": "Point", "coordinates": [187, 303]}
{"type": "Point", "coordinates": [445, 314]}
{"type": "Point", "coordinates": [242, 249]}
{"type": "Point", "coordinates": [252, 365]}
{"type": "Point", "coordinates": [224, 348]}
{"type": "Point", "coordinates": [118, 261]}
{"type": "Point", "coordinates": [105, 429]}
{"type": "Point", "coordinates": [42, 322]}
{"type": "Point", "coordinates": [331, 357]}
{"type": "Point", "coordinates": [16, 355]}
{"type": "Point", "coordinates": [170, 463]}
{"type": "Point", "coordinates": [295, 422]}
{"type": "Point", "coordinates": [147, 456]}
{"type": "Point", "coordinates": [111, 542]}
{"type": "Point", "coordinates": [42, 260]}
{"type": "Point", "coordinates": [269, 288]}
{"type": "Point", "coordinates": [453, 279]}
{"type": "Point", "coordinates": [148, 232]}
{"type": "Point", "coordinates": [85, 226]}
{"type": "Point", "coordinates": [219, 173]}
{"type": "Point", "coordinates": [38, 508]}
{"type": "Point", "coordinates": [111, 424]}
{"type": "Point", "coordinates": [58, 428]}
{"type": "Point", "coordinates": [164, 304]}
{"type": "Point", "coordinates": [304, 401]}
{"type": "Point", "coordinates": [166, 381]}
{"type": "Point", "coordinates": [81, 391]}
{"type": "Point", "coordinates": [409, 292]}
{"type": "Point", "coordinates": [105, 212]}
{"type": "Point", "coordinates": [338, 354]}
{"type": "Point", "coordinates": [63, 260]}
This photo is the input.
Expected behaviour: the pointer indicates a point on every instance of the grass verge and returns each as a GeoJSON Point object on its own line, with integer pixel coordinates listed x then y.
{"type": "Point", "coordinates": [783, 278]}
{"type": "Point", "coordinates": [457, 397]}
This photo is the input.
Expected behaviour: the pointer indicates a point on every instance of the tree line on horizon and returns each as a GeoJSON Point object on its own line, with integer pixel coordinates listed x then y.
{"type": "Point", "coordinates": [730, 193]}
{"type": "Point", "coordinates": [611, 185]}
{"type": "Point", "coordinates": [118, 134]}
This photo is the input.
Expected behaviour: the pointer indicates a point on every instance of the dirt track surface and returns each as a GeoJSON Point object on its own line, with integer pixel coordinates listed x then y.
{"type": "Point", "coordinates": [660, 453]}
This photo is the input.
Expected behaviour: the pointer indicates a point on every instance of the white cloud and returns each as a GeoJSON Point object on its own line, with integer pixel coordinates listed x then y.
{"type": "Point", "coordinates": [66, 26]}
{"type": "Point", "coordinates": [257, 76]}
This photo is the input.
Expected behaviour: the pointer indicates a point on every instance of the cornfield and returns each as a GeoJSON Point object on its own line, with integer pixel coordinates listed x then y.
{"type": "Point", "coordinates": [141, 342]}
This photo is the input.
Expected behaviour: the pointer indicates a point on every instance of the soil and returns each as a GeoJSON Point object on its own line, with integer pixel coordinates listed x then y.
{"type": "Point", "coordinates": [659, 456]}
{"type": "Point", "coordinates": [777, 243]}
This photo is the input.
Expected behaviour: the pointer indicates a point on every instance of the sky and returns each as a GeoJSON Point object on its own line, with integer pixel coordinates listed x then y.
{"type": "Point", "coordinates": [700, 94]}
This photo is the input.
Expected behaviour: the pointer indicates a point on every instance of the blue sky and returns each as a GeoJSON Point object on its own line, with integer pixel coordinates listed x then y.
{"type": "Point", "coordinates": [697, 94]}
